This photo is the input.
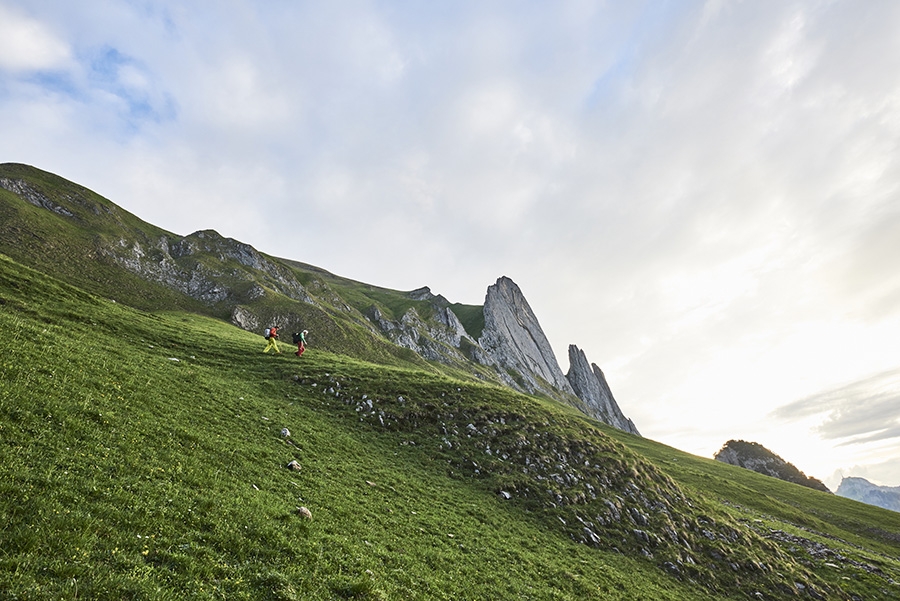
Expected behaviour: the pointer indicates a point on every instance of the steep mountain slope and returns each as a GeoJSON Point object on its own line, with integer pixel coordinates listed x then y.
{"type": "Point", "coordinates": [75, 234]}
{"type": "Point", "coordinates": [145, 455]}
{"type": "Point", "coordinates": [860, 489]}
{"type": "Point", "coordinates": [754, 456]}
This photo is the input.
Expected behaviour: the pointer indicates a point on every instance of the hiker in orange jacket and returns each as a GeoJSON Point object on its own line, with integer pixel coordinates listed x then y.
{"type": "Point", "coordinates": [272, 340]}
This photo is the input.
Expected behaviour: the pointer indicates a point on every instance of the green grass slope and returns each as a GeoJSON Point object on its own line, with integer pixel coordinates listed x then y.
{"type": "Point", "coordinates": [142, 456]}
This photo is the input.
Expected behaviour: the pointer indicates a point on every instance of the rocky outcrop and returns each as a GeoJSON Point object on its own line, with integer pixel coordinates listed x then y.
{"type": "Point", "coordinates": [860, 489]}
{"type": "Point", "coordinates": [32, 195]}
{"type": "Point", "coordinates": [754, 456]}
{"type": "Point", "coordinates": [514, 342]}
{"type": "Point", "coordinates": [590, 386]}
{"type": "Point", "coordinates": [245, 319]}
{"type": "Point", "coordinates": [207, 267]}
{"type": "Point", "coordinates": [423, 293]}
{"type": "Point", "coordinates": [435, 340]}
{"type": "Point", "coordinates": [455, 332]}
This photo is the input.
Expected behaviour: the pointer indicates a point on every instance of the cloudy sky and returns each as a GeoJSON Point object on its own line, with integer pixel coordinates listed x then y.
{"type": "Point", "coordinates": [703, 196]}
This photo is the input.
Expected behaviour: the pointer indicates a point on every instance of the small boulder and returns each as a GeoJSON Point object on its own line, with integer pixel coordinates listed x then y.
{"type": "Point", "coordinates": [304, 513]}
{"type": "Point", "coordinates": [285, 432]}
{"type": "Point", "coordinates": [293, 465]}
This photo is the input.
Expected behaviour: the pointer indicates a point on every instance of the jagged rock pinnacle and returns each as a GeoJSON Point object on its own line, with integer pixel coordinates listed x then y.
{"type": "Point", "coordinates": [514, 340]}
{"type": "Point", "coordinates": [591, 387]}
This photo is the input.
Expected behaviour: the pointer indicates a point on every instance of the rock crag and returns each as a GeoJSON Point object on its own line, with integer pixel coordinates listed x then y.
{"type": "Point", "coordinates": [512, 345]}
{"type": "Point", "coordinates": [590, 386]}
{"type": "Point", "coordinates": [514, 341]}
{"type": "Point", "coordinates": [754, 456]}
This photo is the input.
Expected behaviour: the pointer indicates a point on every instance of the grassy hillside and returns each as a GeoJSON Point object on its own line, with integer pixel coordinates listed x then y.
{"type": "Point", "coordinates": [76, 235]}
{"type": "Point", "coordinates": [834, 527]}
{"type": "Point", "coordinates": [142, 456]}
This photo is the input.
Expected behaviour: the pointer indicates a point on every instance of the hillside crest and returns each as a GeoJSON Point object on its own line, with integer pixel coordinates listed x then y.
{"type": "Point", "coordinates": [754, 456]}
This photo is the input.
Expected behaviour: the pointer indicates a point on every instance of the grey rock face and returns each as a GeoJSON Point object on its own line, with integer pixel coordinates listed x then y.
{"type": "Point", "coordinates": [590, 386]}
{"type": "Point", "coordinates": [514, 341]}
{"type": "Point", "coordinates": [33, 196]}
{"type": "Point", "coordinates": [434, 340]}
{"type": "Point", "coordinates": [455, 331]}
{"type": "Point", "coordinates": [423, 293]}
{"type": "Point", "coordinates": [860, 489]}
{"type": "Point", "coordinates": [245, 319]}
{"type": "Point", "coordinates": [172, 263]}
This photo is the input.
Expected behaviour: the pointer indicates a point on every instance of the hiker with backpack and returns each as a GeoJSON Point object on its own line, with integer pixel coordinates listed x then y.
{"type": "Point", "coordinates": [271, 335]}
{"type": "Point", "coordinates": [300, 341]}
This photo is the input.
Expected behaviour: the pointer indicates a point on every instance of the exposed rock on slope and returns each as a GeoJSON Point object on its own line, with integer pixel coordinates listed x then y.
{"type": "Point", "coordinates": [229, 269]}
{"type": "Point", "coordinates": [436, 335]}
{"type": "Point", "coordinates": [574, 478]}
{"type": "Point", "coordinates": [590, 386]}
{"type": "Point", "coordinates": [435, 341]}
{"type": "Point", "coordinates": [512, 344]}
{"type": "Point", "coordinates": [754, 456]}
{"type": "Point", "coordinates": [514, 341]}
{"type": "Point", "coordinates": [860, 489]}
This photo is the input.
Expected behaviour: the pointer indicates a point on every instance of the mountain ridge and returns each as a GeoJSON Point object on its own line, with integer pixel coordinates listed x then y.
{"type": "Point", "coordinates": [505, 344]}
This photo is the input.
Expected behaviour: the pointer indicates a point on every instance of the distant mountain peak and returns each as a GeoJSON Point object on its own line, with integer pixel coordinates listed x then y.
{"type": "Point", "coordinates": [860, 489]}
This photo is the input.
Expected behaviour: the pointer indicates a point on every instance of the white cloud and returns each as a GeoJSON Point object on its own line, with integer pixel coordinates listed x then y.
{"type": "Point", "coordinates": [237, 95]}
{"type": "Point", "coordinates": [867, 410]}
{"type": "Point", "coordinates": [27, 44]}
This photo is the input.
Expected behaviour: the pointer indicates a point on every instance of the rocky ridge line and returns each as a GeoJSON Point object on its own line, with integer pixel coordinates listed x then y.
{"type": "Point", "coordinates": [233, 277]}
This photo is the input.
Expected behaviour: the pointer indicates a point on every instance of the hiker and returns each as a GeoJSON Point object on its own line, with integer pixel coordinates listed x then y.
{"type": "Point", "coordinates": [300, 340]}
{"type": "Point", "coordinates": [272, 338]}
